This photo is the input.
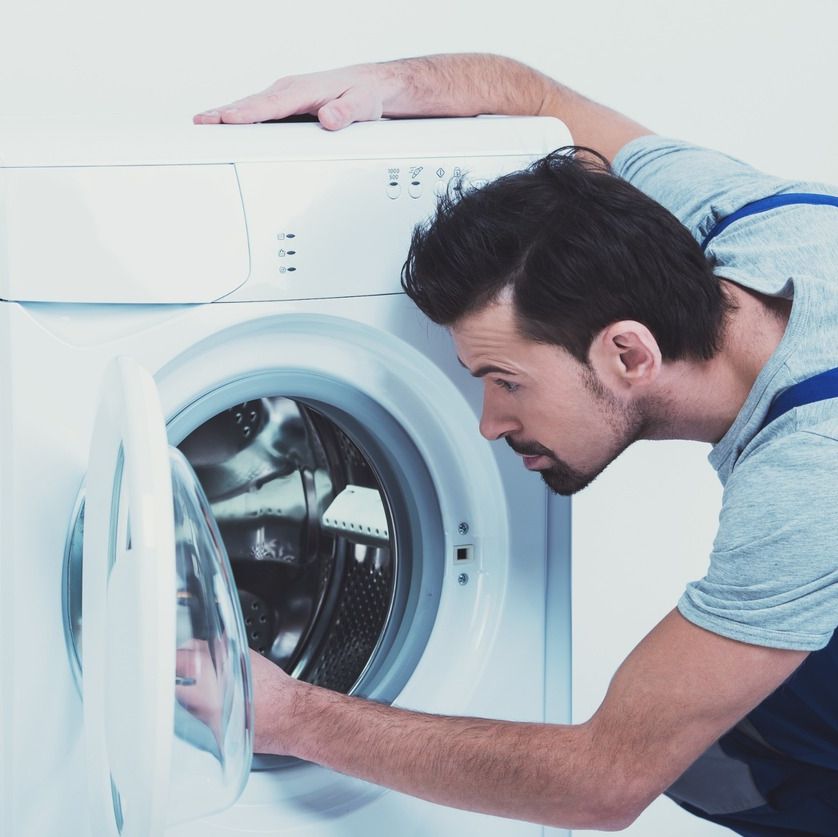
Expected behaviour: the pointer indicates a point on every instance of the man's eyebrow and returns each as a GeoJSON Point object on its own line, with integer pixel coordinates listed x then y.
{"type": "Point", "coordinates": [485, 370]}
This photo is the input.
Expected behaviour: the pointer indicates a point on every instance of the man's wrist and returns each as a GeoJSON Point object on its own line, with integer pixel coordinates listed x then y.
{"type": "Point", "coordinates": [280, 715]}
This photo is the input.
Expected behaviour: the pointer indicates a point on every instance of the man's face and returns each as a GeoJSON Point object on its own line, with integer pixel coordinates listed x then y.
{"type": "Point", "coordinates": [550, 408]}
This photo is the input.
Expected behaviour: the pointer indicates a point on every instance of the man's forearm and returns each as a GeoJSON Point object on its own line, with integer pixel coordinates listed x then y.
{"type": "Point", "coordinates": [470, 84]}
{"type": "Point", "coordinates": [658, 716]}
{"type": "Point", "coordinates": [465, 84]}
{"type": "Point", "coordinates": [535, 772]}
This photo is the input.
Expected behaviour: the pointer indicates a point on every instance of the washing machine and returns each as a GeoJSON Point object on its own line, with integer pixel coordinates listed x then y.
{"type": "Point", "coordinates": [224, 427]}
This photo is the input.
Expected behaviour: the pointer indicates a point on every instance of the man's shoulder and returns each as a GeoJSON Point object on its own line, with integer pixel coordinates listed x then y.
{"type": "Point", "coordinates": [805, 438]}
{"type": "Point", "coordinates": [700, 186]}
{"type": "Point", "coordinates": [788, 471]}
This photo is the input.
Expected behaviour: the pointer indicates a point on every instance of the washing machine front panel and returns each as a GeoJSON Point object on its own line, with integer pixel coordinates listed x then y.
{"type": "Point", "coordinates": [471, 661]}
{"type": "Point", "coordinates": [378, 385]}
{"type": "Point", "coordinates": [480, 615]}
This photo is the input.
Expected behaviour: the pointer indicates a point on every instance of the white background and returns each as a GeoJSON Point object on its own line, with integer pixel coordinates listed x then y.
{"type": "Point", "coordinates": [755, 78]}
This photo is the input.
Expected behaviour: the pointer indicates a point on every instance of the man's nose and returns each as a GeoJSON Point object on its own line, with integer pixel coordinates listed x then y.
{"type": "Point", "coordinates": [496, 422]}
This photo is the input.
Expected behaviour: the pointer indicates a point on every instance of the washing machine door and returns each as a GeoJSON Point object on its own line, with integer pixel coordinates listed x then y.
{"type": "Point", "coordinates": [166, 677]}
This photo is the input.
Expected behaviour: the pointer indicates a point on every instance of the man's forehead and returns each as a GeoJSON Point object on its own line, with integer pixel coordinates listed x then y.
{"type": "Point", "coordinates": [493, 321]}
{"type": "Point", "coordinates": [490, 341]}
{"type": "Point", "coordinates": [494, 324]}
{"type": "Point", "coordinates": [487, 369]}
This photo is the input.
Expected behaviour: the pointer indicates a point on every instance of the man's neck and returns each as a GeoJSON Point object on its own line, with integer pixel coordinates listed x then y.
{"type": "Point", "coordinates": [702, 399]}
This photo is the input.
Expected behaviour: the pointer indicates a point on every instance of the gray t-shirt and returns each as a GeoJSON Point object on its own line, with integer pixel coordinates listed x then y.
{"type": "Point", "coordinates": [773, 574]}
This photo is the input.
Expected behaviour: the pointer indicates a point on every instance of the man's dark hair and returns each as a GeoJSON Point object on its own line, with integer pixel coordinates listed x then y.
{"type": "Point", "coordinates": [579, 247]}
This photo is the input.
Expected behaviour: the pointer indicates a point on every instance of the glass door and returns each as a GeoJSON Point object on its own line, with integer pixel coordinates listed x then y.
{"type": "Point", "coordinates": [166, 675]}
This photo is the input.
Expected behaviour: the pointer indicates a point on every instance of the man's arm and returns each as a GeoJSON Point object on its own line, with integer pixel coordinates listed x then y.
{"type": "Point", "coordinates": [437, 85]}
{"type": "Point", "coordinates": [676, 693]}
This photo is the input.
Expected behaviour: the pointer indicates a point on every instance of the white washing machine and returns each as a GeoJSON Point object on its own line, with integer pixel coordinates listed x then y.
{"type": "Point", "coordinates": [215, 391]}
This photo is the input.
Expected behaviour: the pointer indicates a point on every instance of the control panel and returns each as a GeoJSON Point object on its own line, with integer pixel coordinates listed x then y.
{"type": "Point", "coordinates": [342, 228]}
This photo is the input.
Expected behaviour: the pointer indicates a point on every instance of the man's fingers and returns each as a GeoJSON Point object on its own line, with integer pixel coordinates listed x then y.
{"type": "Point", "coordinates": [338, 97]}
{"type": "Point", "coordinates": [257, 108]}
{"type": "Point", "coordinates": [354, 106]}
{"type": "Point", "coordinates": [288, 96]}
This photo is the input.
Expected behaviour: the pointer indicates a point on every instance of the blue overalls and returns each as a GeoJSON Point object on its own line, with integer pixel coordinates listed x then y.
{"type": "Point", "coordinates": [790, 741]}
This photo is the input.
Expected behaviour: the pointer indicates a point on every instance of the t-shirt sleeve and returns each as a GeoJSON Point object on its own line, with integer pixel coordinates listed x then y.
{"type": "Point", "coordinates": [773, 574]}
{"type": "Point", "coordinates": [697, 185]}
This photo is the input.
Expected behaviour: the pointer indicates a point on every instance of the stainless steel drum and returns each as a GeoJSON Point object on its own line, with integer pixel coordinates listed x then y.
{"type": "Point", "coordinates": [294, 498]}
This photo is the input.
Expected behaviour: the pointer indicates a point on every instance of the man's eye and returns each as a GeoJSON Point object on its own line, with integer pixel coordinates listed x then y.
{"type": "Point", "coordinates": [507, 385]}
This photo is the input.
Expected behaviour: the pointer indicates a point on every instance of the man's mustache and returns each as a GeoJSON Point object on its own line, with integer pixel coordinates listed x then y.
{"type": "Point", "coordinates": [529, 448]}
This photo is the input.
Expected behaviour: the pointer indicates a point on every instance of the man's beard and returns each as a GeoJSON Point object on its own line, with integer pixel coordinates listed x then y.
{"type": "Point", "coordinates": [627, 422]}
{"type": "Point", "coordinates": [560, 477]}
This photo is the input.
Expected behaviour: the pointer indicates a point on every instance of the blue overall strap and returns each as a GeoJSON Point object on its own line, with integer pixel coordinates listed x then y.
{"type": "Point", "coordinates": [764, 204]}
{"type": "Point", "coordinates": [818, 388]}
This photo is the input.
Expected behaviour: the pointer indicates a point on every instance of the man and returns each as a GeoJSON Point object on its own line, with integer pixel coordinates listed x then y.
{"type": "Point", "coordinates": [594, 319]}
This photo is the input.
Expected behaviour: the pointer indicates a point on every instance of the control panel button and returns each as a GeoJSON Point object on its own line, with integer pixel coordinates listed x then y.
{"type": "Point", "coordinates": [414, 189]}
{"type": "Point", "coordinates": [440, 188]}
{"type": "Point", "coordinates": [393, 190]}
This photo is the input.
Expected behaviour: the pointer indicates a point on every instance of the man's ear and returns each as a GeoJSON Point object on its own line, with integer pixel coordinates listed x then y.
{"type": "Point", "coordinates": [625, 354]}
